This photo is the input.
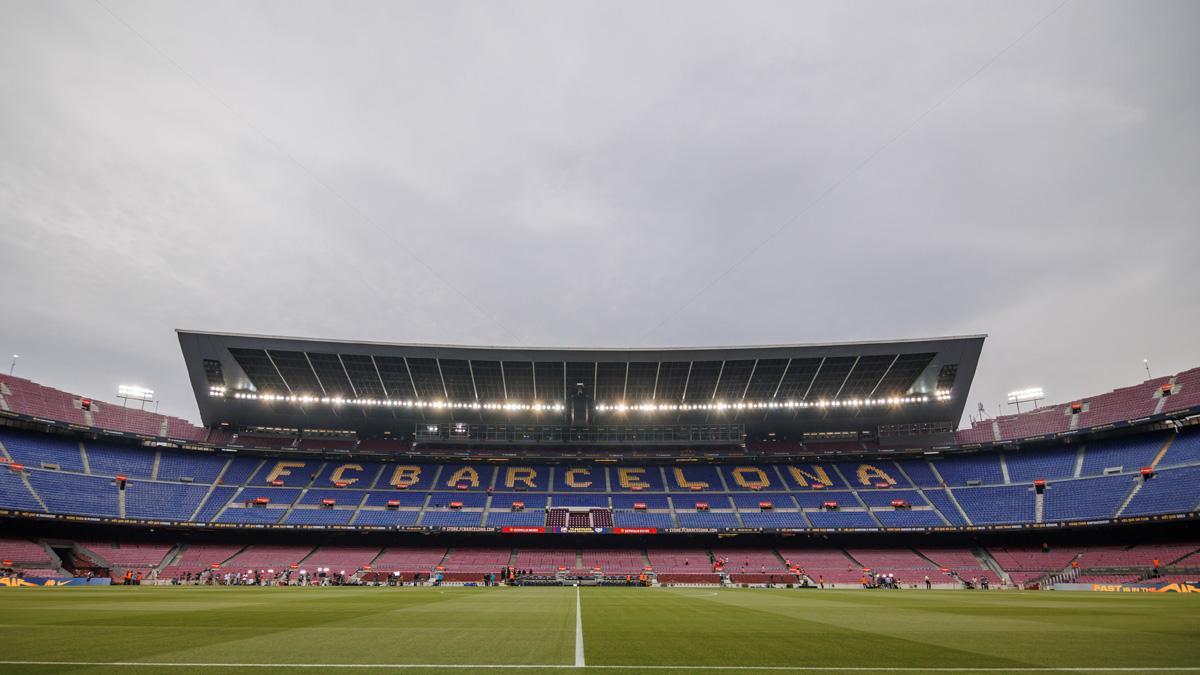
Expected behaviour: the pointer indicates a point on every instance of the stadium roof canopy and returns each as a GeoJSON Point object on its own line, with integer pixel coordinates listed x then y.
{"type": "Point", "coordinates": [265, 381]}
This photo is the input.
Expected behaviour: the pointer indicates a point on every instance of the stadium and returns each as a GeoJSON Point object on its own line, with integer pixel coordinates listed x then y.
{"type": "Point", "coordinates": [600, 483]}
{"type": "Point", "coordinates": [671, 337]}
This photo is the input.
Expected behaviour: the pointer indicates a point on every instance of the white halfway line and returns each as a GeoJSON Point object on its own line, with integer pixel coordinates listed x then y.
{"type": "Point", "coordinates": [579, 662]}
{"type": "Point", "coordinates": [515, 666]}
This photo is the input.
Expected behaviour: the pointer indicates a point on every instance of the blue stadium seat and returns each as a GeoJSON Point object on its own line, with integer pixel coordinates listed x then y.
{"type": "Point", "coordinates": [220, 496]}
{"type": "Point", "coordinates": [909, 518]}
{"type": "Point", "coordinates": [33, 449]}
{"type": "Point", "coordinates": [405, 497]}
{"type": "Point", "coordinates": [385, 518]}
{"type": "Point", "coordinates": [251, 515]}
{"type": "Point", "coordinates": [300, 516]}
{"type": "Point", "coordinates": [14, 494]}
{"type": "Point", "coordinates": [515, 518]}
{"type": "Point", "coordinates": [452, 518]}
{"type": "Point", "coordinates": [1086, 498]}
{"type": "Point", "coordinates": [1030, 465]}
{"type": "Point", "coordinates": [941, 501]}
{"type": "Point", "coordinates": [1185, 449]}
{"type": "Point", "coordinates": [75, 493]}
{"type": "Point", "coordinates": [1129, 454]}
{"type": "Point", "coordinates": [162, 501]}
{"type": "Point", "coordinates": [958, 470]}
{"type": "Point", "coordinates": [661, 521]}
{"type": "Point", "coordinates": [105, 459]}
{"type": "Point", "coordinates": [832, 519]}
{"type": "Point", "coordinates": [774, 519]}
{"type": "Point", "coordinates": [997, 504]}
{"type": "Point", "coordinates": [201, 467]}
{"type": "Point", "coordinates": [1169, 491]}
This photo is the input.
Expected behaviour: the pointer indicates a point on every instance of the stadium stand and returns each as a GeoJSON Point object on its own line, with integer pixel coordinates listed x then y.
{"type": "Point", "coordinates": [70, 476]}
{"type": "Point", "coordinates": [125, 555]}
{"type": "Point", "coordinates": [409, 561]}
{"type": "Point", "coordinates": [197, 558]}
{"type": "Point", "coordinates": [267, 556]}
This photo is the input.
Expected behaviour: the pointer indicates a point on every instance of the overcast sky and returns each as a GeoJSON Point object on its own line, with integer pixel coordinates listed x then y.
{"type": "Point", "coordinates": [591, 174]}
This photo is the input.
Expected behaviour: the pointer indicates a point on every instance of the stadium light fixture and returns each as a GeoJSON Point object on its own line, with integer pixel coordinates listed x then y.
{"type": "Point", "coordinates": [604, 407]}
{"type": "Point", "coordinates": [1027, 395]}
{"type": "Point", "coordinates": [135, 392]}
{"type": "Point", "coordinates": [126, 392]}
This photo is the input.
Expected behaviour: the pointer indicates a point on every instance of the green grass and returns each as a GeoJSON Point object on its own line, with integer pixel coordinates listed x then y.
{"type": "Point", "coordinates": [681, 629]}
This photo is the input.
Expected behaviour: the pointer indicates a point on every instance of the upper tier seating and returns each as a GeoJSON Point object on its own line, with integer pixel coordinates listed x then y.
{"type": "Point", "coordinates": [28, 398]}
{"type": "Point", "coordinates": [1127, 403]}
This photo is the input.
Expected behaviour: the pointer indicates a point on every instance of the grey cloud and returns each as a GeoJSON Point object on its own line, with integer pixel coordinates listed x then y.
{"type": "Point", "coordinates": [579, 170]}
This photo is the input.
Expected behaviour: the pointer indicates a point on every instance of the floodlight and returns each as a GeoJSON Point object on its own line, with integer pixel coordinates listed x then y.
{"type": "Point", "coordinates": [1027, 394]}
{"type": "Point", "coordinates": [135, 392]}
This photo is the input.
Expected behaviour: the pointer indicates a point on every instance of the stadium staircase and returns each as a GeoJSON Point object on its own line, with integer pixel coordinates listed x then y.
{"type": "Point", "coordinates": [920, 492]}
{"type": "Point", "coordinates": [950, 493]}
{"type": "Point", "coordinates": [1004, 468]}
{"type": "Point", "coordinates": [87, 465]}
{"type": "Point", "coordinates": [1163, 451]}
{"type": "Point", "coordinates": [1137, 486]}
{"type": "Point", "coordinates": [1080, 455]}
{"type": "Point", "coordinates": [424, 507]}
{"type": "Point", "coordinates": [29, 486]}
{"type": "Point", "coordinates": [171, 556]}
{"type": "Point", "coordinates": [989, 563]}
{"type": "Point", "coordinates": [1039, 507]}
{"type": "Point", "coordinates": [209, 493]}
{"type": "Point", "coordinates": [1162, 400]}
{"type": "Point", "coordinates": [56, 563]}
{"type": "Point", "coordinates": [224, 507]}
{"type": "Point", "coordinates": [358, 507]}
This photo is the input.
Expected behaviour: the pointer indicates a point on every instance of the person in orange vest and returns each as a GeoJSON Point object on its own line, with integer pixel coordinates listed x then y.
{"type": "Point", "coordinates": [128, 577]}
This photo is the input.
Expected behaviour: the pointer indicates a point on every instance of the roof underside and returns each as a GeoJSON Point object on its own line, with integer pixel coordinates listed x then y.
{"type": "Point", "coordinates": [324, 369]}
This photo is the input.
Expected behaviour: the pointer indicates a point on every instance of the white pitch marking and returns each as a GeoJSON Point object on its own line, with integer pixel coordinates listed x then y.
{"type": "Point", "coordinates": [513, 666]}
{"type": "Point", "coordinates": [579, 662]}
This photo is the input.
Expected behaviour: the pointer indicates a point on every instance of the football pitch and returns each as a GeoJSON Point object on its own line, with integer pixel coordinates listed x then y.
{"type": "Point", "coordinates": [552, 630]}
